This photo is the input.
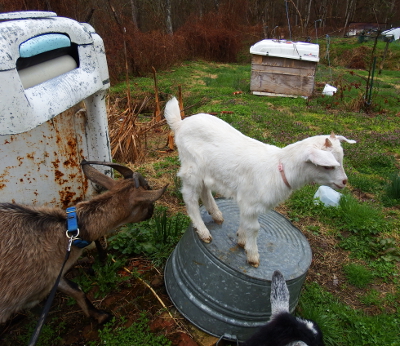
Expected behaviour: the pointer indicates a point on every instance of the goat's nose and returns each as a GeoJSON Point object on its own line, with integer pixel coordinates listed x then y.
{"type": "Point", "coordinates": [344, 181]}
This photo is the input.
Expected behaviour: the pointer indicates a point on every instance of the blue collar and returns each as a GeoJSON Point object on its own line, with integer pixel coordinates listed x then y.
{"type": "Point", "coordinates": [73, 230]}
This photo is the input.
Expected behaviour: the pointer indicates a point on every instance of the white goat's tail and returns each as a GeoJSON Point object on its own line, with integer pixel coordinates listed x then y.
{"type": "Point", "coordinates": [172, 114]}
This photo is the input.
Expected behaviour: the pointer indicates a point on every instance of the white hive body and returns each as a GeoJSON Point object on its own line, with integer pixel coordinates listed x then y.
{"type": "Point", "coordinates": [53, 80]}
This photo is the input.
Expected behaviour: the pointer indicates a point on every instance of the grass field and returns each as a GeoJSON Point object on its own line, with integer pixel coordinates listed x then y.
{"type": "Point", "coordinates": [352, 288]}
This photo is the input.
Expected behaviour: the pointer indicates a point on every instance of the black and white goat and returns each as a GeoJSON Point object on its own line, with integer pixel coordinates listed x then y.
{"type": "Point", "coordinates": [284, 329]}
{"type": "Point", "coordinates": [33, 241]}
{"type": "Point", "coordinates": [216, 157]}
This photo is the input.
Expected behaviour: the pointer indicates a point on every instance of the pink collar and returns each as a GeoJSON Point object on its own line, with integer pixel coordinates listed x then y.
{"type": "Point", "coordinates": [280, 167]}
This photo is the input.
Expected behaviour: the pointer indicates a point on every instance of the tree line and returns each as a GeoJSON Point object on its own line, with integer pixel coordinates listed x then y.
{"type": "Point", "coordinates": [157, 33]}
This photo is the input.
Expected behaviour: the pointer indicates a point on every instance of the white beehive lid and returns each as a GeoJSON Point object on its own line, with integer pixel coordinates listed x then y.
{"type": "Point", "coordinates": [287, 49]}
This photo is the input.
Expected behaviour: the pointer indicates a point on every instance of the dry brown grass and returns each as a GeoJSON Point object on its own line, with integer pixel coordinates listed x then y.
{"type": "Point", "coordinates": [128, 133]}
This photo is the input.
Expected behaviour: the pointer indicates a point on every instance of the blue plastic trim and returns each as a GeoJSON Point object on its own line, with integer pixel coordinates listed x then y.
{"type": "Point", "coordinates": [43, 43]}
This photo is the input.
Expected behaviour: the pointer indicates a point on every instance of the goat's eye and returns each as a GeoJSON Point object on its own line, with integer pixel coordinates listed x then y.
{"type": "Point", "coordinates": [329, 167]}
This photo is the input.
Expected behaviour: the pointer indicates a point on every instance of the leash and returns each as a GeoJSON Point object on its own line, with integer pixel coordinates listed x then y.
{"type": "Point", "coordinates": [72, 234]}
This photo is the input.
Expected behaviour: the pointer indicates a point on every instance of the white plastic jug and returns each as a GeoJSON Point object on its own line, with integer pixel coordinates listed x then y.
{"type": "Point", "coordinates": [327, 196]}
{"type": "Point", "coordinates": [329, 90]}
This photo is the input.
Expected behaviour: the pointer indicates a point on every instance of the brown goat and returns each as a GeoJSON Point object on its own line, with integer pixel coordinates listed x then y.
{"type": "Point", "coordinates": [33, 241]}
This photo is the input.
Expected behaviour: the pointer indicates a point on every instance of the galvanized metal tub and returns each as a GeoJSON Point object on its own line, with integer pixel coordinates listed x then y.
{"type": "Point", "coordinates": [214, 288]}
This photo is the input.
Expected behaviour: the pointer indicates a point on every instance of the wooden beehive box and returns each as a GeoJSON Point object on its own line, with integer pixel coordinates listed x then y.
{"type": "Point", "coordinates": [282, 68]}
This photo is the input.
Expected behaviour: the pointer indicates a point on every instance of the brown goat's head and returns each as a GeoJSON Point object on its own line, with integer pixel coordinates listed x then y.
{"type": "Point", "coordinates": [137, 193]}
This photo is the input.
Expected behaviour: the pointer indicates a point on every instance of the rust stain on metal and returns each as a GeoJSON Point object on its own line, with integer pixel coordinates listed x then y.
{"type": "Point", "coordinates": [51, 153]}
{"type": "Point", "coordinates": [72, 176]}
{"type": "Point", "coordinates": [66, 196]}
{"type": "Point", "coordinates": [3, 178]}
{"type": "Point", "coordinates": [58, 174]}
{"type": "Point", "coordinates": [72, 143]}
{"type": "Point", "coordinates": [20, 160]}
{"type": "Point", "coordinates": [58, 177]}
{"type": "Point", "coordinates": [72, 163]}
{"type": "Point", "coordinates": [31, 156]}
{"type": "Point", "coordinates": [9, 140]}
{"type": "Point", "coordinates": [55, 163]}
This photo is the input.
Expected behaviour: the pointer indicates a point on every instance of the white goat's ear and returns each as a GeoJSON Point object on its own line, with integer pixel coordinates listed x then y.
{"type": "Point", "coordinates": [322, 158]}
{"type": "Point", "coordinates": [328, 143]}
{"type": "Point", "coordinates": [343, 138]}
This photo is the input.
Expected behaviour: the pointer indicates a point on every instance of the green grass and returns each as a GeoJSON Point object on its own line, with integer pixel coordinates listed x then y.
{"type": "Point", "coordinates": [366, 222]}
{"type": "Point", "coordinates": [155, 238]}
{"type": "Point", "coordinates": [358, 275]}
{"type": "Point", "coordinates": [168, 165]}
{"type": "Point", "coordinates": [342, 325]}
{"type": "Point", "coordinates": [50, 333]}
{"type": "Point", "coordinates": [137, 334]}
{"type": "Point", "coordinates": [393, 189]}
{"type": "Point", "coordinates": [105, 278]}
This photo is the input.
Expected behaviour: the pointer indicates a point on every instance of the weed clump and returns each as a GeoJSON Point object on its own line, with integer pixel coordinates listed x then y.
{"type": "Point", "coordinates": [393, 189]}
{"type": "Point", "coordinates": [138, 334]}
{"type": "Point", "coordinates": [155, 238]}
{"type": "Point", "coordinates": [358, 275]}
{"type": "Point", "coordinates": [360, 217]}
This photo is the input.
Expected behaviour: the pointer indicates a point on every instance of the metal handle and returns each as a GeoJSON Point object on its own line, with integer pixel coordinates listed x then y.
{"type": "Point", "coordinates": [228, 337]}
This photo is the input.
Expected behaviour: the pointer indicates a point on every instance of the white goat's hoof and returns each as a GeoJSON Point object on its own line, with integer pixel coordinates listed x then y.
{"type": "Point", "coordinates": [218, 221]}
{"type": "Point", "coordinates": [205, 236]}
{"type": "Point", "coordinates": [254, 264]}
{"type": "Point", "coordinates": [242, 244]}
{"type": "Point", "coordinates": [254, 260]}
{"type": "Point", "coordinates": [207, 240]}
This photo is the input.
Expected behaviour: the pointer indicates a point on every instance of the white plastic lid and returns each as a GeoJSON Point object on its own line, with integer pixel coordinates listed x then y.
{"type": "Point", "coordinates": [287, 49]}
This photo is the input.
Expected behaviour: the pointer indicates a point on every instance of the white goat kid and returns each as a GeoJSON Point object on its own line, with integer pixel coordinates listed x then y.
{"type": "Point", "coordinates": [216, 157]}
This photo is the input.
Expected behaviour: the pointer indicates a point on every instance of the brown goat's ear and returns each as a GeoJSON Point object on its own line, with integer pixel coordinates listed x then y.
{"type": "Point", "coordinates": [140, 181]}
{"type": "Point", "coordinates": [97, 177]}
{"type": "Point", "coordinates": [150, 196]}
